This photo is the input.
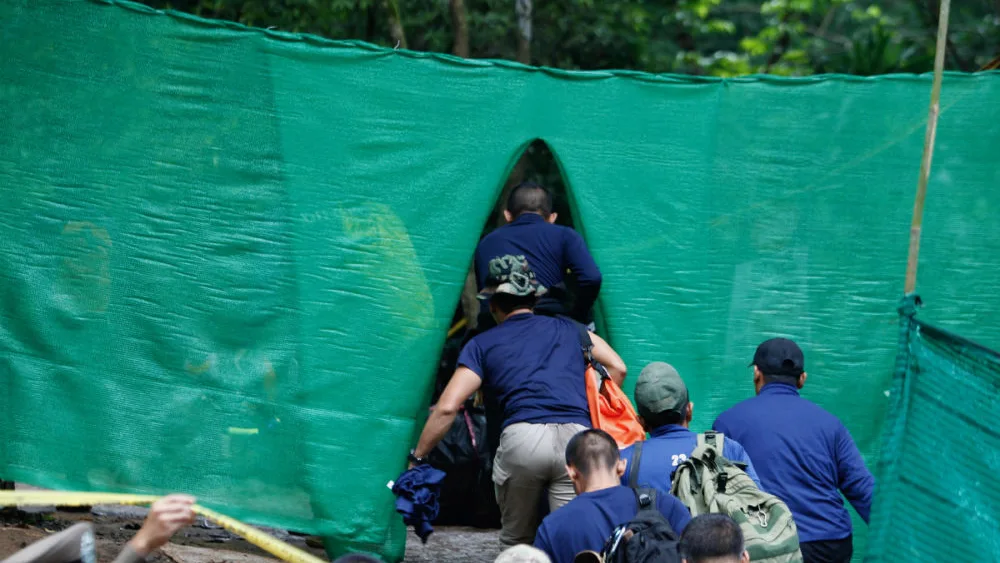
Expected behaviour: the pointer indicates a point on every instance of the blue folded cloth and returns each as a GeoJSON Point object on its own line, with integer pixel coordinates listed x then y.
{"type": "Point", "coordinates": [417, 493]}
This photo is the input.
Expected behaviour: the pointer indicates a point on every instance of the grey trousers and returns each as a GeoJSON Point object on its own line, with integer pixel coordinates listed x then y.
{"type": "Point", "coordinates": [531, 458]}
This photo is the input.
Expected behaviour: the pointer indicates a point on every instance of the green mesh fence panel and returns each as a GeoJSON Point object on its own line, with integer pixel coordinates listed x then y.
{"type": "Point", "coordinates": [935, 500]}
{"type": "Point", "coordinates": [228, 257]}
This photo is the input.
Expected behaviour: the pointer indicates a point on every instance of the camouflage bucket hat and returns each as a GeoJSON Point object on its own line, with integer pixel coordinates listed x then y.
{"type": "Point", "coordinates": [510, 274]}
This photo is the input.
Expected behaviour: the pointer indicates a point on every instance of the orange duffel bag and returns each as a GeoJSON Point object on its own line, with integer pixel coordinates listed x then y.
{"type": "Point", "coordinates": [610, 409]}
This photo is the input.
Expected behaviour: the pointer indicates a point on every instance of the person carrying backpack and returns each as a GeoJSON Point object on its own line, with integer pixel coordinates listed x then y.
{"type": "Point", "coordinates": [665, 412]}
{"type": "Point", "coordinates": [691, 465]}
{"type": "Point", "coordinates": [602, 504]}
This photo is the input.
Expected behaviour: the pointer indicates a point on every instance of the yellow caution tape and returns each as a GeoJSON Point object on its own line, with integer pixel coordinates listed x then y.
{"type": "Point", "coordinates": [268, 543]}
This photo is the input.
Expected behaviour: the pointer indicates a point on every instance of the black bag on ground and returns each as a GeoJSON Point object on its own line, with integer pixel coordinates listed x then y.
{"type": "Point", "coordinates": [647, 538]}
{"type": "Point", "coordinates": [467, 497]}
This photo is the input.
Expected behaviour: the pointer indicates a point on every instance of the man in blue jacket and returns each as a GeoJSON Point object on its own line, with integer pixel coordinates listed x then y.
{"type": "Point", "coordinates": [803, 454]}
{"type": "Point", "coordinates": [665, 412]}
{"type": "Point", "coordinates": [601, 505]}
{"type": "Point", "coordinates": [550, 249]}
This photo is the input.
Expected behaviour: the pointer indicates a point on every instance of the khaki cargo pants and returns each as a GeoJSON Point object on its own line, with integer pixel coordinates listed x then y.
{"type": "Point", "coordinates": [531, 458]}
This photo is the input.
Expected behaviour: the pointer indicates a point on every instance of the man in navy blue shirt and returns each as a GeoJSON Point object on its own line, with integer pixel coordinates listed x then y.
{"type": "Point", "coordinates": [534, 366]}
{"type": "Point", "coordinates": [665, 412]}
{"type": "Point", "coordinates": [601, 505]}
{"type": "Point", "coordinates": [803, 454]}
{"type": "Point", "coordinates": [550, 249]}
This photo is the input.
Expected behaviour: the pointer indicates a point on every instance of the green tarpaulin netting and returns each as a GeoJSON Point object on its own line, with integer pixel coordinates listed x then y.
{"type": "Point", "coordinates": [228, 257]}
{"type": "Point", "coordinates": [936, 500]}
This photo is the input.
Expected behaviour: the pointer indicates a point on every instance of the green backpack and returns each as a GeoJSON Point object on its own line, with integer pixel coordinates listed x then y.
{"type": "Point", "coordinates": [709, 483]}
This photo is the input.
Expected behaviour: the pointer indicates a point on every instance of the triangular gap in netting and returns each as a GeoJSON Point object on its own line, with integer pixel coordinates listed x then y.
{"type": "Point", "coordinates": [466, 453]}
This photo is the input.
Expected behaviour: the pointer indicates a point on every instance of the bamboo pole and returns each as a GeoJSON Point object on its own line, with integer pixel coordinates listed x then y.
{"type": "Point", "coordinates": [925, 164]}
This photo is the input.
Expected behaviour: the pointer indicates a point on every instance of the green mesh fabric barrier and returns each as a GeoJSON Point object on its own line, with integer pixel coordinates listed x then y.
{"type": "Point", "coordinates": [941, 451]}
{"type": "Point", "coordinates": [228, 257]}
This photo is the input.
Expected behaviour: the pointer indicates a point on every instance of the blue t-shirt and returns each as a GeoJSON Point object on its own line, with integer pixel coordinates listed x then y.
{"type": "Point", "coordinates": [587, 521]}
{"type": "Point", "coordinates": [805, 457]}
{"type": "Point", "coordinates": [550, 251]}
{"type": "Point", "coordinates": [669, 446]}
{"type": "Point", "coordinates": [534, 366]}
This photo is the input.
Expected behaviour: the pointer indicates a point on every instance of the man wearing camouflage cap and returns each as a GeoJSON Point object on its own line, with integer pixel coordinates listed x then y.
{"type": "Point", "coordinates": [534, 367]}
{"type": "Point", "coordinates": [665, 411]}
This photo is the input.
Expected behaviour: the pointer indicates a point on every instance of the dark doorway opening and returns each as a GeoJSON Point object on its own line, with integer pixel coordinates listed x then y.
{"type": "Point", "coordinates": [466, 453]}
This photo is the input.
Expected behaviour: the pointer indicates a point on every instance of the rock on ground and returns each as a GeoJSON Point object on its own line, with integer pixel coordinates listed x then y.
{"type": "Point", "coordinates": [204, 543]}
{"type": "Point", "coordinates": [454, 545]}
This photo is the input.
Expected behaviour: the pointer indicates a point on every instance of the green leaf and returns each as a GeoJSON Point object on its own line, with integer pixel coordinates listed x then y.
{"type": "Point", "coordinates": [722, 26]}
{"type": "Point", "coordinates": [804, 6]}
{"type": "Point", "coordinates": [753, 46]}
{"type": "Point", "coordinates": [796, 56]}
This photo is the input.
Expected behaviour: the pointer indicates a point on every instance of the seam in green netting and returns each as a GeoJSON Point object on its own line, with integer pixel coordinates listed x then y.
{"type": "Point", "coordinates": [442, 58]}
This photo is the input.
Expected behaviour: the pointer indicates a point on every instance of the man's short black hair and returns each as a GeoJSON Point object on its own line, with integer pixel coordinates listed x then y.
{"type": "Point", "coordinates": [787, 379]}
{"type": "Point", "coordinates": [592, 449]}
{"type": "Point", "coordinates": [506, 302]}
{"type": "Point", "coordinates": [664, 418]}
{"type": "Point", "coordinates": [711, 536]}
{"type": "Point", "coordinates": [529, 197]}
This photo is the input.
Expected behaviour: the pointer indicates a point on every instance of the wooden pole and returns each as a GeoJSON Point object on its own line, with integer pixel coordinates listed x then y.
{"type": "Point", "coordinates": [925, 164]}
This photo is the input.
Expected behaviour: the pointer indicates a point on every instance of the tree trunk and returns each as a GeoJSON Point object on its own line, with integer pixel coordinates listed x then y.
{"type": "Point", "coordinates": [523, 10]}
{"type": "Point", "coordinates": [396, 30]}
{"type": "Point", "coordinates": [460, 27]}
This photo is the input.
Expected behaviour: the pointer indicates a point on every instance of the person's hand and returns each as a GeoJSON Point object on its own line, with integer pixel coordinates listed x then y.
{"type": "Point", "coordinates": [166, 517]}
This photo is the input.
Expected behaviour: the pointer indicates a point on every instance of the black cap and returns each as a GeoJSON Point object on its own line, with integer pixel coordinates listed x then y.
{"type": "Point", "coordinates": [779, 356]}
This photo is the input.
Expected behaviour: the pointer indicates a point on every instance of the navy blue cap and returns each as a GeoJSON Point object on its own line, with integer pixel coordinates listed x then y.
{"type": "Point", "coordinates": [779, 356]}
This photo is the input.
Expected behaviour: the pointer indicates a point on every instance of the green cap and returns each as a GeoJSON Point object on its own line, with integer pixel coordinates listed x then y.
{"type": "Point", "coordinates": [660, 389]}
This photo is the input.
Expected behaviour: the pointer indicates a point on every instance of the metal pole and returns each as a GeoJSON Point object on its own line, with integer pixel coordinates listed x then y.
{"type": "Point", "coordinates": [925, 164]}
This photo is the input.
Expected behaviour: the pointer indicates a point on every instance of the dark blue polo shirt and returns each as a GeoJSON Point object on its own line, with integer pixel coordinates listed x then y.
{"type": "Point", "coordinates": [805, 457]}
{"type": "Point", "coordinates": [587, 521]}
{"type": "Point", "coordinates": [535, 367]}
{"type": "Point", "coordinates": [669, 446]}
{"type": "Point", "coordinates": [550, 250]}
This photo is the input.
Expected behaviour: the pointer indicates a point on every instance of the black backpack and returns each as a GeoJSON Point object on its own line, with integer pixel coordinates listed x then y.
{"type": "Point", "coordinates": [647, 538]}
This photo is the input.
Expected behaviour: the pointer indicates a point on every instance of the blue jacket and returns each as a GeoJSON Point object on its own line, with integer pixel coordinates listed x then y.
{"type": "Point", "coordinates": [667, 447]}
{"type": "Point", "coordinates": [805, 456]}
{"type": "Point", "coordinates": [550, 250]}
{"type": "Point", "coordinates": [586, 521]}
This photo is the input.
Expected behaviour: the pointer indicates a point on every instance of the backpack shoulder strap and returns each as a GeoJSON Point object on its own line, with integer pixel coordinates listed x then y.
{"type": "Point", "coordinates": [587, 347]}
{"type": "Point", "coordinates": [633, 465]}
{"type": "Point", "coordinates": [712, 439]}
{"type": "Point", "coordinates": [586, 344]}
{"type": "Point", "coordinates": [645, 499]}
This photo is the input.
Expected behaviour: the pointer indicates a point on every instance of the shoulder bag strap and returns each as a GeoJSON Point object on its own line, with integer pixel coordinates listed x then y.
{"type": "Point", "coordinates": [633, 466]}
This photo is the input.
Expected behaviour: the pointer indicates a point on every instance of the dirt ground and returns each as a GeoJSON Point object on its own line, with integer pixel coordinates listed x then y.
{"type": "Point", "coordinates": [18, 529]}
